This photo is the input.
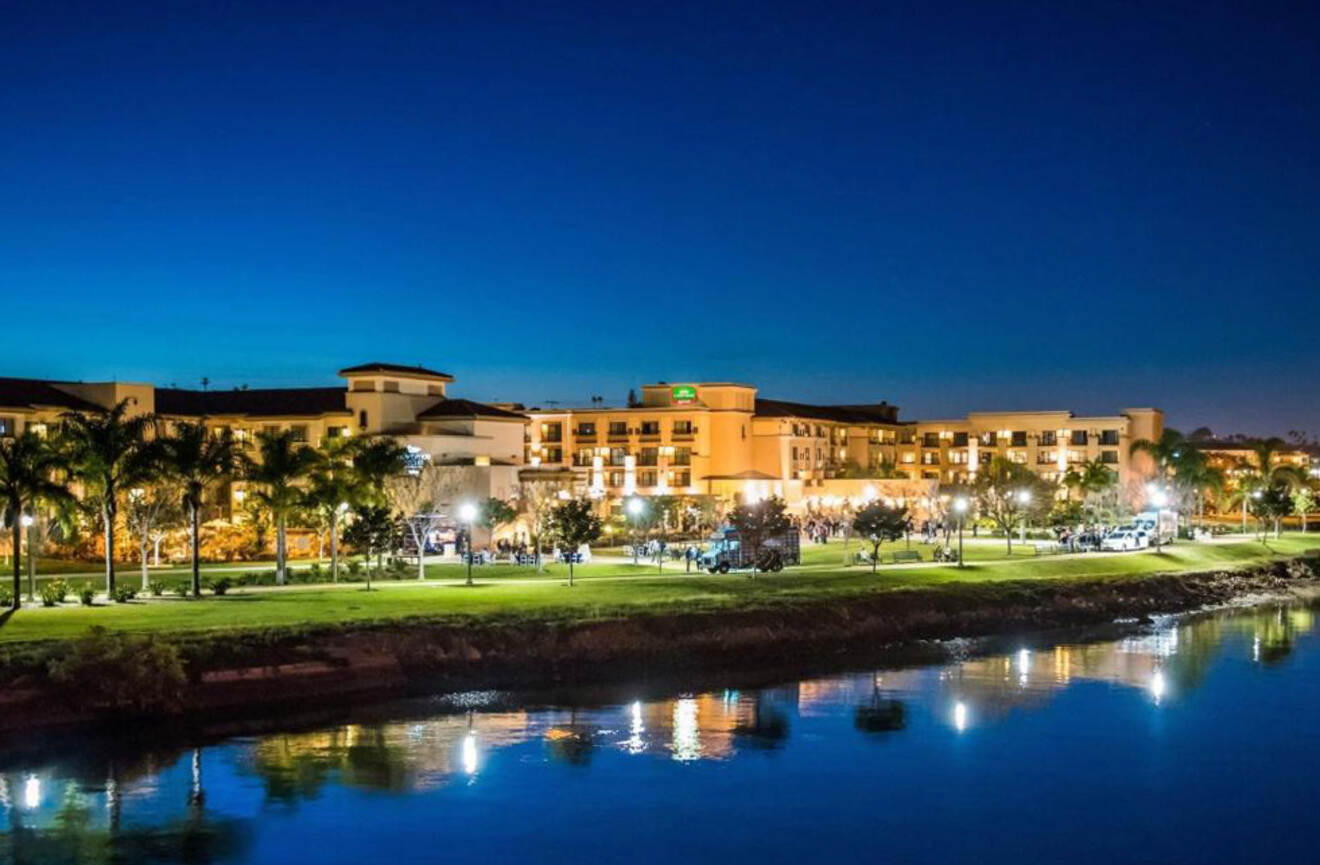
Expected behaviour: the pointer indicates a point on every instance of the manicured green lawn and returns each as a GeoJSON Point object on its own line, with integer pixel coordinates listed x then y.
{"type": "Point", "coordinates": [605, 588]}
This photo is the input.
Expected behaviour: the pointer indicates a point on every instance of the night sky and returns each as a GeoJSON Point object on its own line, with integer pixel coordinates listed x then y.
{"type": "Point", "coordinates": [951, 206]}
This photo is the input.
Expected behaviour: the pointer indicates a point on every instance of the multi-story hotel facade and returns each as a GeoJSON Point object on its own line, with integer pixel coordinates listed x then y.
{"type": "Point", "coordinates": [714, 439]}
{"type": "Point", "coordinates": [409, 403]}
{"type": "Point", "coordinates": [720, 439]}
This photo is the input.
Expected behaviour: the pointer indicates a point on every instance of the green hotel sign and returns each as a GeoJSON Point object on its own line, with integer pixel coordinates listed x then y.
{"type": "Point", "coordinates": [683, 394]}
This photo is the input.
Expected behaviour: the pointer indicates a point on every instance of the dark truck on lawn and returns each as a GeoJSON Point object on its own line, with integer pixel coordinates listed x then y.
{"type": "Point", "coordinates": [725, 552]}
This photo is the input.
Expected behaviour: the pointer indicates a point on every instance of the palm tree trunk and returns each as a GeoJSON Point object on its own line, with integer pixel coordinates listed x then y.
{"type": "Point", "coordinates": [279, 550]}
{"type": "Point", "coordinates": [334, 545]}
{"type": "Point", "coordinates": [15, 510]}
{"type": "Point", "coordinates": [194, 517]}
{"type": "Point", "coordinates": [108, 518]}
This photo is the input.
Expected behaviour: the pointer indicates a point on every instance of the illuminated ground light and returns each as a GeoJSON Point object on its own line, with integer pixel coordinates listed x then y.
{"type": "Point", "coordinates": [32, 792]}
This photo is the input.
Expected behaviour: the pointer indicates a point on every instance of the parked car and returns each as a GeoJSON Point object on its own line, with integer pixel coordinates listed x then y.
{"type": "Point", "coordinates": [1124, 539]}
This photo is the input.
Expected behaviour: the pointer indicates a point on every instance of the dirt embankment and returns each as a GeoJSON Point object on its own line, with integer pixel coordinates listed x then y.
{"type": "Point", "coordinates": [242, 672]}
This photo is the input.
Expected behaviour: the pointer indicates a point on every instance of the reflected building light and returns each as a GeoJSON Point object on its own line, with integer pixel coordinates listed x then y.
{"type": "Point", "coordinates": [687, 732]}
{"type": "Point", "coordinates": [1255, 649]}
{"type": "Point", "coordinates": [470, 754]}
{"type": "Point", "coordinates": [1158, 686]}
{"type": "Point", "coordinates": [32, 792]}
{"type": "Point", "coordinates": [960, 716]}
{"type": "Point", "coordinates": [1023, 666]}
{"type": "Point", "coordinates": [636, 744]}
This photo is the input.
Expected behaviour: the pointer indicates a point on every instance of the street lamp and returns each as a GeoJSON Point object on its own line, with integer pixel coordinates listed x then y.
{"type": "Point", "coordinates": [634, 507]}
{"type": "Point", "coordinates": [467, 512]}
{"type": "Point", "coordinates": [28, 522]}
{"type": "Point", "coordinates": [1159, 499]}
{"type": "Point", "coordinates": [1024, 499]}
{"type": "Point", "coordinates": [960, 508]}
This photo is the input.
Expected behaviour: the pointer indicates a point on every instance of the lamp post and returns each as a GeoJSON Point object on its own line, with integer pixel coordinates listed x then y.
{"type": "Point", "coordinates": [960, 508]}
{"type": "Point", "coordinates": [1024, 499]}
{"type": "Point", "coordinates": [28, 522]}
{"type": "Point", "coordinates": [1159, 499]}
{"type": "Point", "coordinates": [634, 508]}
{"type": "Point", "coordinates": [467, 512]}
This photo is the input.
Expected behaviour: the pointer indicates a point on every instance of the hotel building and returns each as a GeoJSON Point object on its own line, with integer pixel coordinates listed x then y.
{"type": "Point", "coordinates": [717, 439]}
{"type": "Point", "coordinates": [720, 439]}
{"type": "Point", "coordinates": [410, 403]}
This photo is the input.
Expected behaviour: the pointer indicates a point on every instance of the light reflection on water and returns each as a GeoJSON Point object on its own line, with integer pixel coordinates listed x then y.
{"type": "Point", "coordinates": [1153, 721]}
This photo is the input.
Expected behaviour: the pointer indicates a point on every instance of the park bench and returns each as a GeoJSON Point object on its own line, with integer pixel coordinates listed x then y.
{"type": "Point", "coordinates": [906, 556]}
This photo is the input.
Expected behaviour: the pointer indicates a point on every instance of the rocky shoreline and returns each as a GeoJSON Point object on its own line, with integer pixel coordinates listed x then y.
{"type": "Point", "coordinates": [266, 673]}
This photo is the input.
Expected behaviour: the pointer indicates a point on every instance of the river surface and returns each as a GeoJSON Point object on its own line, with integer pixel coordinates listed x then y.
{"type": "Point", "coordinates": [1190, 741]}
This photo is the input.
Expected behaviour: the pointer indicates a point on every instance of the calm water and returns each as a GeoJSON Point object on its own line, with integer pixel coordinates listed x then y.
{"type": "Point", "coordinates": [1189, 742]}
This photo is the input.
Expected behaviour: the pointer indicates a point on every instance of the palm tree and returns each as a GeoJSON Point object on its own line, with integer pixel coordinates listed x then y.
{"type": "Point", "coordinates": [199, 460]}
{"type": "Point", "coordinates": [1196, 478]}
{"type": "Point", "coordinates": [1239, 494]}
{"type": "Point", "coordinates": [1091, 479]}
{"type": "Point", "coordinates": [285, 462]}
{"type": "Point", "coordinates": [108, 453]}
{"type": "Point", "coordinates": [375, 462]}
{"type": "Point", "coordinates": [333, 486]}
{"type": "Point", "coordinates": [28, 468]}
{"type": "Point", "coordinates": [1164, 451]}
{"type": "Point", "coordinates": [1270, 473]}
{"type": "Point", "coordinates": [1260, 475]}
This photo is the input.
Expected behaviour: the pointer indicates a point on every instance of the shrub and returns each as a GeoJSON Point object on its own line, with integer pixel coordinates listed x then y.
{"type": "Point", "coordinates": [86, 595]}
{"type": "Point", "coordinates": [314, 572]}
{"type": "Point", "coordinates": [156, 587]}
{"type": "Point", "coordinates": [6, 598]}
{"type": "Point", "coordinates": [119, 673]}
{"type": "Point", "coordinates": [54, 592]}
{"type": "Point", "coordinates": [123, 594]}
{"type": "Point", "coordinates": [354, 567]}
{"type": "Point", "coordinates": [221, 585]}
{"type": "Point", "coordinates": [184, 590]}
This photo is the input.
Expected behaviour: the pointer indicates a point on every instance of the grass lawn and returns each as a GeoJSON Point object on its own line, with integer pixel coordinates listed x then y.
{"type": "Point", "coordinates": [608, 587]}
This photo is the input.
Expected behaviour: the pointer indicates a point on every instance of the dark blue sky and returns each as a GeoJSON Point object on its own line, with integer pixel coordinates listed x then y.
{"type": "Point", "coordinates": [950, 206]}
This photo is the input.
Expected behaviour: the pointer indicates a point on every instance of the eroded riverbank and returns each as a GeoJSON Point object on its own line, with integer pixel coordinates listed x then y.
{"type": "Point", "coordinates": [269, 671]}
